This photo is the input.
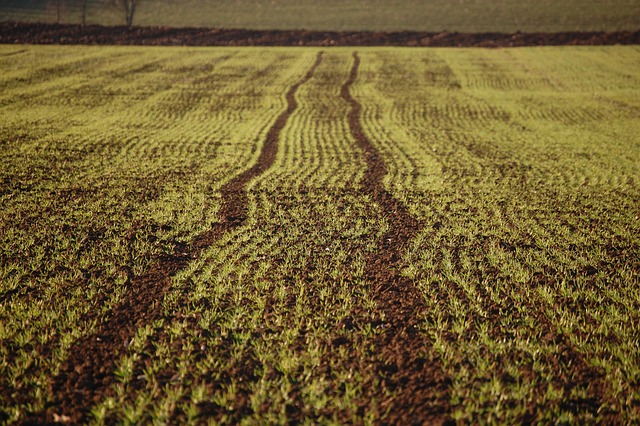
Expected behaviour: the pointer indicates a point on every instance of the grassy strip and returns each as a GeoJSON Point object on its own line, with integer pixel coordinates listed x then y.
{"type": "Point", "coordinates": [264, 337]}
{"type": "Point", "coordinates": [346, 15]}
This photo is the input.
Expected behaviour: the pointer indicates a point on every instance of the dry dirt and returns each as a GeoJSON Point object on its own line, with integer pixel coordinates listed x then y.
{"type": "Point", "coordinates": [12, 33]}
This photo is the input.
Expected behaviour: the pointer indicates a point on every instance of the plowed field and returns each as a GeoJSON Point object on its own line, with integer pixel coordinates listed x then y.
{"type": "Point", "coordinates": [355, 235]}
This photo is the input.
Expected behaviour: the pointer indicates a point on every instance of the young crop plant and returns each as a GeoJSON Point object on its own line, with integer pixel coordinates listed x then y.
{"type": "Point", "coordinates": [99, 186]}
{"type": "Point", "coordinates": [289, 235]}
{"type": "Point", "coordinates": [267, 301]}
{"type": "Point", "coordinates": [525, 180]}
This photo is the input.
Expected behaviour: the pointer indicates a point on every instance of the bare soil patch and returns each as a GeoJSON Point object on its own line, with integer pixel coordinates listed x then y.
{"type": "Point", "coordinates": [18, 33]}
{"type": "Point", "coordinates": [418, 384]}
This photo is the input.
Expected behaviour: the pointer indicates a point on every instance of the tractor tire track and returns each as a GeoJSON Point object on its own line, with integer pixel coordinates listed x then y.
{"type": "Point", "coordinates": [418, 385]}
{"type": "Point", "coordinates": [89, 369]}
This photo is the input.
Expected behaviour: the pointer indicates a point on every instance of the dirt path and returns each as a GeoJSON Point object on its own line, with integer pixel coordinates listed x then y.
{"type": "Point", "coordinates": [14, 33]}
{"type": "Point", "coordinates": [89, 368]}
{"type": "Point", "coordinates": [418, 384]}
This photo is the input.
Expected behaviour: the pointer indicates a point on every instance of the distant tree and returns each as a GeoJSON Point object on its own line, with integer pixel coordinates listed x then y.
{"type": "Point", "coordinates": [65, 6]}
{"type": "Point", "coordinates": [129, 7]}
{"type": "Point", "coordinates": [83, 11]}
{"type": "Point", "coordinates": [55, 5]}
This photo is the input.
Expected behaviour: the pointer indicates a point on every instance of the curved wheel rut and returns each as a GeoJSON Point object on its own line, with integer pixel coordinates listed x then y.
{"type": "Point", "coordinates": [417, 384]}
{"type": "Point", "coordinates": [89, 369]}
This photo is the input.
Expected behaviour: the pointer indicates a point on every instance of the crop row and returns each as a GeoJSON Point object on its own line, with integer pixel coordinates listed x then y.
{"type": "Point", "coordinates": [526, 257]}
{"type": "Point", "coordinates": [516, 171]}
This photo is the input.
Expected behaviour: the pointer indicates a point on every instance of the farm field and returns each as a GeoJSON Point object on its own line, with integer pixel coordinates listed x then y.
{"type": "Point", "coordinates": [365, 235]}
{"type": "Point", "coordinates": [349, 15]}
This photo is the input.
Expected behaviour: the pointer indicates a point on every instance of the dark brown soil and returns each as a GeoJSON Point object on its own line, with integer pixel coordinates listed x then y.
{"type": "Point", "coordinates": [89, 369]}
{"type": "Point", "coordinates": [418, 384]}
{"type": "Point", "coordinates": [14, 33]}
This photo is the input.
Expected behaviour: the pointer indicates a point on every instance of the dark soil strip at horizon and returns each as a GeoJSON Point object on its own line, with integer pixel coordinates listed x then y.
{"type": "Point", "coordinates": [89, 369]}
{"type": "Point", "coordinates": [32, 33]}
{"type": "Point", "coordinates": [418, 385]}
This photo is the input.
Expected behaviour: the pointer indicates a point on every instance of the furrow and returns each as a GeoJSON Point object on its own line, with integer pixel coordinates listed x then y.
{"type": "Point", "coordinates": [417, 384]}
{"type": "Point", "coordinates": [89, 369]}
{"type": "Point", "coordinates": [236, 210]}
{"type": "Point", "coordinates": [485, 288]}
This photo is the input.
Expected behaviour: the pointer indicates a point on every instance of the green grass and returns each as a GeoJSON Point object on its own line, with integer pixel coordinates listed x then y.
{"type": "Point", "coordinates": [522, 164]}
{"type": "Point", "coordinates": [376, 15]}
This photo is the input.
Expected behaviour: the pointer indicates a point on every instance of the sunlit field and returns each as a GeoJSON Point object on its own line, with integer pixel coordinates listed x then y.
{"type": "Point", "coordinates": [271, 235]}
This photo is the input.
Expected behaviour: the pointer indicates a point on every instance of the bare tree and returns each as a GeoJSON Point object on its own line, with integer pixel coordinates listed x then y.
{"type": "Point", "coordinates": [129, 7]}
{"type": "Point", "coordinates": [55, 6]}
{"type": "Point", "coordinates": [66, 6]}
{"type": "Point", "coordinates": [83, 11]}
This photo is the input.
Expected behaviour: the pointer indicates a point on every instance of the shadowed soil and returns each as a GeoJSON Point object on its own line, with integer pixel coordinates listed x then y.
{"type": "Point", "coordinates": [15, 33]}
{"type": "Point", "coordinates": [417, 383]}
{"type": "Point", "coordinates": [89, 369]}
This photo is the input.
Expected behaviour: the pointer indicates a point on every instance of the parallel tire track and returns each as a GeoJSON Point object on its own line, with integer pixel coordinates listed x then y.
{"type": "Point", "coordinates": [234, 209]}
{"type": "Point", "coordinates": [89, 369]}
{"type": "Point", "coordinates": [417, 383]}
